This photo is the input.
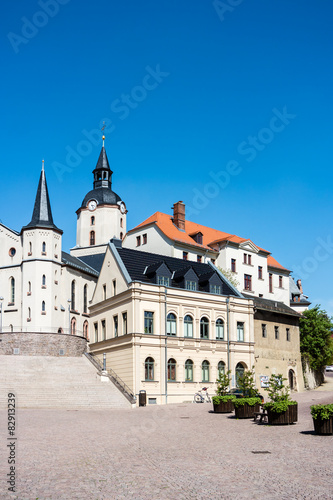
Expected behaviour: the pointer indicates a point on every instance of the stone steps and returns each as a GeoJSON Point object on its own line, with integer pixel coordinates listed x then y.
{"type": "Point", "coordinates": [52, 382]}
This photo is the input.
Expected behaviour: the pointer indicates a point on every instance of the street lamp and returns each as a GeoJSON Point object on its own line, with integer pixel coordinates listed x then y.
{"type": "Point", "coordinates": [1, 299]}
{"type": "Point", "coordinates": [69, 316]}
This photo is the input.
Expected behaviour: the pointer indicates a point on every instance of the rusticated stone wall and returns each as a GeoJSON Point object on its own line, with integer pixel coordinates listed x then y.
{"type": "Point", "coordinates": [42, 344]}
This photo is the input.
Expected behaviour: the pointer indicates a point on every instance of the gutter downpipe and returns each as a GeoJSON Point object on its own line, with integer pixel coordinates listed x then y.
{"type": "Point", "coordinates": [166, 349]}
{"type": "Point", "coordinates": [228, 336]}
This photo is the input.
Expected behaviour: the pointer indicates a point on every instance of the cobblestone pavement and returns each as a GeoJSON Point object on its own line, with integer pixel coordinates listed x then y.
{"type": "Point", "coordinates": [179, 451]}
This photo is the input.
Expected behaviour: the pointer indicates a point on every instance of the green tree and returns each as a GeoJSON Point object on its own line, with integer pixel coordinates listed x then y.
{"type": "Point", "coordinates": [229, 275]}
{"type": "Point", "coordinates": [316, 338]}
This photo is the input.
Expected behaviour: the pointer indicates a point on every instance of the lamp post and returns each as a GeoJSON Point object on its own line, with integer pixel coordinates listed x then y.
{"type": "Point", "coordinates": [1, 299]}
{"type": "Point", "coordinates": [69, 316]}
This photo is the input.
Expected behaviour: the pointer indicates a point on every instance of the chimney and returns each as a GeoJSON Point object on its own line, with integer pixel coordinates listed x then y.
{"type": "Point", "coordinates": [299, 285]}
{"type": "Point", "coordinates": [179, 215]}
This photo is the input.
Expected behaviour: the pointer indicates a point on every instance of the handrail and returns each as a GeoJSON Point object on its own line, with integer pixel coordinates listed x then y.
{"type": "Point", "coordinates": [113, 377]}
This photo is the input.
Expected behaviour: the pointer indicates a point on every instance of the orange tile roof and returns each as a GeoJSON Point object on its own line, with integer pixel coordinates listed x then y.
{"type": "Point", "coordinates": [271, 262]}
{"type": "Point", "coordinates": [210, 236]}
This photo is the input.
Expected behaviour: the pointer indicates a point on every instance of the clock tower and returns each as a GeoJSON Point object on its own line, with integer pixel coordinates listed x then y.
{"type": "Point", "coordinates": [102, 214]}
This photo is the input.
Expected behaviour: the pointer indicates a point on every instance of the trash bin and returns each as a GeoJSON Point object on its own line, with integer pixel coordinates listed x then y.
{"type": "Point", "coordinates": [142, 398]}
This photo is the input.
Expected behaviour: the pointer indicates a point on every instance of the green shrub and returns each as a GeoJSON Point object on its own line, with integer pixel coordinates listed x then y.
{"type": "Point", "coordinates": [322, 412]}
{"type": "Point", "coordinates": [246, 384]}
{"type": "Point", "coordinates": [250, 401]}
{"type": "Point", "coordinates": [223, 399]}
{"type": "Point", "coordinates": [223, 383]}
{"type": "Point", "coordinates": [278, 394]}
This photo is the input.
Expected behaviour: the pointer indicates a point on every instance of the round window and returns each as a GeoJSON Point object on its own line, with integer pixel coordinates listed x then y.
{"type": "Point", "coordinates": [12, 252]}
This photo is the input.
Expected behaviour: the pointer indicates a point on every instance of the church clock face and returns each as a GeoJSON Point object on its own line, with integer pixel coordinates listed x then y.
{"type": "Point", "coordinates": [122, 208]}
{"type": "Point", "coordinates": [92, 205]}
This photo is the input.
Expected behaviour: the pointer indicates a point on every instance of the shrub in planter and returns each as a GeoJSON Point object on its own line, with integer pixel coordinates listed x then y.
{"type": "Point", "coordinates": [223, 404]}
{"type": "Point", "coordinates": [246, 407]}
{"type": "Point", "coordinates": [322, 418]}
{"type": "Point", "coordinates": [281, 410]}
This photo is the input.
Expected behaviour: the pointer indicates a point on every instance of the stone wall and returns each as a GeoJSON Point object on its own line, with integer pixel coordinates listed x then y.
{"type": "Point", "coordinates": [42, 344]}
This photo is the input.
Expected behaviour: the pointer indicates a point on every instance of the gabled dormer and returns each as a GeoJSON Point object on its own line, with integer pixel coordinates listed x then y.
{"type": "Point", "coordinates": [197, 237]}
{"type": "Point", "coordinates": [159, 273]}
{"type": "Point", "coordinates": [211, 282]}
{"type": "Point", "coordinates": [186, 278]}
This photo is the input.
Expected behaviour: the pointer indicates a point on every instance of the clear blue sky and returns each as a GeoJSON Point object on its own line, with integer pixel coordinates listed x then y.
{"type": "Point", "coordinates": [206, 87]}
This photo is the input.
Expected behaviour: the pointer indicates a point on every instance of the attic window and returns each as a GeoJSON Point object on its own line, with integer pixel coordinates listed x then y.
{"type": "Point", "coordinates": [190, 285]}
{"type": "Point", "coordinates": [215, 289]}
{"type": "Point", "coordinates": [163, 280]}
{"type": "Point", "coordinates": [197, 237]}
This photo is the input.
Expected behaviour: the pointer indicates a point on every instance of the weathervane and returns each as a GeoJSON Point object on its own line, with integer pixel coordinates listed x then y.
{"type": "Point", "coordinates": [103, 137]}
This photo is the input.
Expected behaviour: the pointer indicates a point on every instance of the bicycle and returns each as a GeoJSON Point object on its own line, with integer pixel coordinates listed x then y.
{"type": "Point", "coordinates": [202, 396]}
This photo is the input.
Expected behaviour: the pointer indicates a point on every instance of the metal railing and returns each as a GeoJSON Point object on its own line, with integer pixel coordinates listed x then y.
{"type": "Point", "coordinates": [120, 384]}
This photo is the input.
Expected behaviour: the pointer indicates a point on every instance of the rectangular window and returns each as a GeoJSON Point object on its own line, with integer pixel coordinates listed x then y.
{"type": "Point", "coordinates": [96, 331]}
{"type": "Point", "coordinates": [104, 292]}
{"type": "Point", "coordinates": [233, 265]}
{"type": "Point", "coordinates": [259, 272]}
{"type": "Point", "coordinates": [149, 322]}
{"type": "Point", "coordinates": [245, 258]}
{"type": "Point", "coordinates": [115, 325]}
{"type": "Point", "coordinates": [103, 329]}
{"type": "Point", "coordinates": [188, 326]}
{"type": "Point", "coordinates": [276, 331]}
{"type": "Point", "coordinates": [185, 255]}
{"type": "Point", "coordinates": [264, 330]}
{"type": "Point", "coordinates": [247, 282]}
{"type": "Point", "coordinates": [114, 287]}
{"type": "Point", "coordinates": [190, 285]}
{"type": "Point", "coordinates": [125, 323]}
{"type": "Point", "coordinates": [138, 241]}
{"type": "Point", "coordinates": [288, 334]}
{"type": "Point", "coordinates": [240, 331]}
{"type": "Point", "coordinates": [199, 258]}
{"type": "Point", "coordinates": [215, 289]}
{"type": "Point", "coordinates": [249, 259]}
{"type": "Point", "coordinates": [280, 282]}
{"type": "Point", "coordinates": [144, 239]}
{"type": "Point", "coordinates": [163, 280]}
{"type": "Point", "coordinates": [270, 282]}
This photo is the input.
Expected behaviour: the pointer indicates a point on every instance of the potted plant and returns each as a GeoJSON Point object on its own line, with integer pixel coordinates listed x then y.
{"type": "Point", "coordinates": [281, 410]}
{"type": "Point", "coordinates": [223, 402]}
{"type": "Point", "coordinates": [322, 418]}
{"type": "Point", "coordinates": [249, 404]}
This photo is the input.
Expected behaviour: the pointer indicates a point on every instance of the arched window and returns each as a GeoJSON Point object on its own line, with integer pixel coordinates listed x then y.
{"type": "Point", "coordinates": [43, 247]}
{"type": "Point", "coordinates": [121, 236]}
{"type": "Point", "coordinates": [30, 248]}
{"type": "Point", "coordinates": [219, 327]}
{"type": "Point", "coordinates": [204, 328]}
{"type": "Point", "coordinates": [172, 369]}
{"type": "Point", "coordinates": [188, 326]}
{"type": "Point", "coordinates": [29, 287]}
{"type": "Point", "coordinates": [73, 295]}
{"type": "Point", "coordinates": [43, 280]}
{"type": "Point", "coordinates": [12, 290]}
{"type": "Point", "coordinates": [60, 330]}
{"type": "Point", "coordinates": [85, 330]}
{"type": "Point", "coordinates": [149, 369]}
{"type": "Point", "coordinates": [292, 379]}
{"type": "Point", "coordinates": [240, 367]}
{"type": "Point", "coordinates": [92, 237]}
{"type": "Point", "coordinates": [29, 314]}
{"type": "Point", "coordinates": [43, 306]}
{"type": "Point", "coordinates": [221, 368]}
{"type": "Point", "coordinates": [92, 220]}
{"type": "Point", "coordinates": [73, 326]}
{"type": "Point", "coordinates": [121, 222]}
{"type": "Point", "coordinates": [171, 324]}
{"type": "Point", "coordinates": [205, 371]}
{"type": "Point", "coordinates": [85, 299]}
{"type": "Point", "coordinates": [188, 370]}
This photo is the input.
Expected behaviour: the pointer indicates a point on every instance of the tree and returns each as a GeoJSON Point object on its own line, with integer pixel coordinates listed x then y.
{"type": "Point", "coordinates": [316, 338]}
{"type": "Point", "coordinates": [229, 275]}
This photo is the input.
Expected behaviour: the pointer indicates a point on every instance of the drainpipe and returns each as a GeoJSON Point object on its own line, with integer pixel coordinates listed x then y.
{"type": "Point", "coordinates": [228, 336]}
{"type": "Point", "coordinates": [166, 349]}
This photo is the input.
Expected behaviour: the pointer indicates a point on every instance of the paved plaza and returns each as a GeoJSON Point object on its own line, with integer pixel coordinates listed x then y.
{"type": "Point", "coordinates": [167, 452]}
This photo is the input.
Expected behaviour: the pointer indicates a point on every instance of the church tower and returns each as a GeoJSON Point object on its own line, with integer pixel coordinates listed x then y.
{"type": "Point", "coordinates": [102, 214]}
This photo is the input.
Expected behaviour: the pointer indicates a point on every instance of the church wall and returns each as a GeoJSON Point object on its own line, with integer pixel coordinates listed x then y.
{"type": "Point", "coordinates": [9, 240]}
{"type": "Point", "coordinates": [105, 221]}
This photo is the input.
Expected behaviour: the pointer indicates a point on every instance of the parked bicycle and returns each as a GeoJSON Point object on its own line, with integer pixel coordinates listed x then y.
{"type": "Point", "coordinates": [202, 396]}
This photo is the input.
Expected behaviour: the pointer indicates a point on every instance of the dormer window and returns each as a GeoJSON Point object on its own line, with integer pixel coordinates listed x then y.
{"type": "Point", "coordinates": [163, 280]}
{"type": "Point", "coordinates": [197, 237]}
{"type": "Point", "coordinates": [215, 289]}
{"type": "Point", "coordinates": [190, 285]}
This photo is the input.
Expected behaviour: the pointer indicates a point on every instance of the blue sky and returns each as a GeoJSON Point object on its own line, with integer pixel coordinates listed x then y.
{"type": "Point", "coordinates": [224, 105]}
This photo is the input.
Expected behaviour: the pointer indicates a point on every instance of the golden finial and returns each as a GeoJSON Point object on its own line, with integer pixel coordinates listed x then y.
{"type": "Point", "coordinates": [103, 137]}
{"type": "Point", "coordinates": [43, 165]}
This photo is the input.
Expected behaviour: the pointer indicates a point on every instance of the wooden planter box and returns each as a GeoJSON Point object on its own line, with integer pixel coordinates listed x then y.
{"type": "Point", "coordinates": [224, 407]}
{"type": "Point", "coordinates": [246, 411]}
{"type": "Point", "coordinates": [324, 427]}
{"type": "Point", "coordinates": [285, 418]}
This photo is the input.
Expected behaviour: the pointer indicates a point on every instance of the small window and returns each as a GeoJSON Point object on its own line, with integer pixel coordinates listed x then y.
{"type": "Point", "coordinates": [148, 322]}
{"type": "Point", "coordinates": [240, 331]}
{"type": "Point", "coordinates": [103, 324]}
{"type": "Point", "coordinates": [249, 260]}
{"type": "Point", "coordinates": [73, 326]}
{"type": "Point", "coordinates": [245, 258]}
{"type": "Point", "coordinates": [188, 326]}
{"type": "Point", "coordinates": [280, 282]}
{"type": "Point", "coordinates": [121, 222]}
{"type": "Point", "coordinates": [92, 220]}
{"type": "Point", "coordinates": [115, 325]}
{"type": "Point", "coordinates": [104, 292]}
{"type": "Point", "coordinates": [212, 261]}
{"type": "Point", "coordinates": [260, 272]}
{"type": "Point", "coordinates": [85, 299]}
{"type": "Point", "coordinates": [204, 328]}
{"type": "Point", "coordinates": [86, 330]}
{"type": "Point", "coordinates": [12, 290]}
{"type": "Point", "coordinates": [43, 306]}
{"type": "Point", "coordinates": [288, 334]}
{"type": "Point", "coordinates": [248, 282]}
{"type": "Point", "coordinates": [185, 255]}
{"type": "Point", "coordinates": [43, 280]}
{"type": "Point", "coordinates": [163, 280]}
{"type": "Point", "coordinates": [190, 285]}
{"type": "Point", "coordinates": [30, 248]}
{"type": "Point", "coordinates": [73, 295]}
{"type": "Point", "coordinates": [172, 370]}
{"type": "Point", "coordinates": [149, 369]}
{"type": "Point", "coordinates": [188, 370]}
{"type": "Point", "coordinates": [44, 248]}
{"type": "Point", "coordinates": [29, 287]}
{"type": "Point", "coordinates": [125, 323]}
{"type": "Point", "coordinates": [92, 238]}
{"type": "Point", "coordinates": [171, 324]}
{"type": "Point", "coordinates": [233, 265]}
{"type": "Point", "coordinates": [114, 287]}
{"type": "Point", "coordinates": [29, 314]}
{"type": "Point", "coordinates": [205, 371]}
{"type": "Point", "coordinates": [270, 282]}
{"type": "Point", "coordinates": [199, 258]}
{"type": "Point", "coordinates": [219, 328]}
{"type": "Point", "coordinates": [264, 330]}
{"type": "Point", "coordinates": [12, 252]}
{"type": "Point", "coordinates": [138, 241]}
{"type": "Point", "coordinates": [144, 239]}
{"type": "Point", "coordinates": [276, 331]}
{"type": "Point", "coordinates": [121, 236]}
{"type": "Point", "coordinates": [96, 331]}
{"type": "Point", "coordinates": [215, 289]}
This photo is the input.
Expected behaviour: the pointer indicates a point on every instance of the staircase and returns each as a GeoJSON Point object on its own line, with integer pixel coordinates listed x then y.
{"type": "Point", "coordinates": [54, 382]}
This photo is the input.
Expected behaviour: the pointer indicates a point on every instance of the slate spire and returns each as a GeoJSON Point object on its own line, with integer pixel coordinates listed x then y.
{"type": "Point", "coordinates": [102, 172]}
{"type": "Point", "coordinates": [42, 214]}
